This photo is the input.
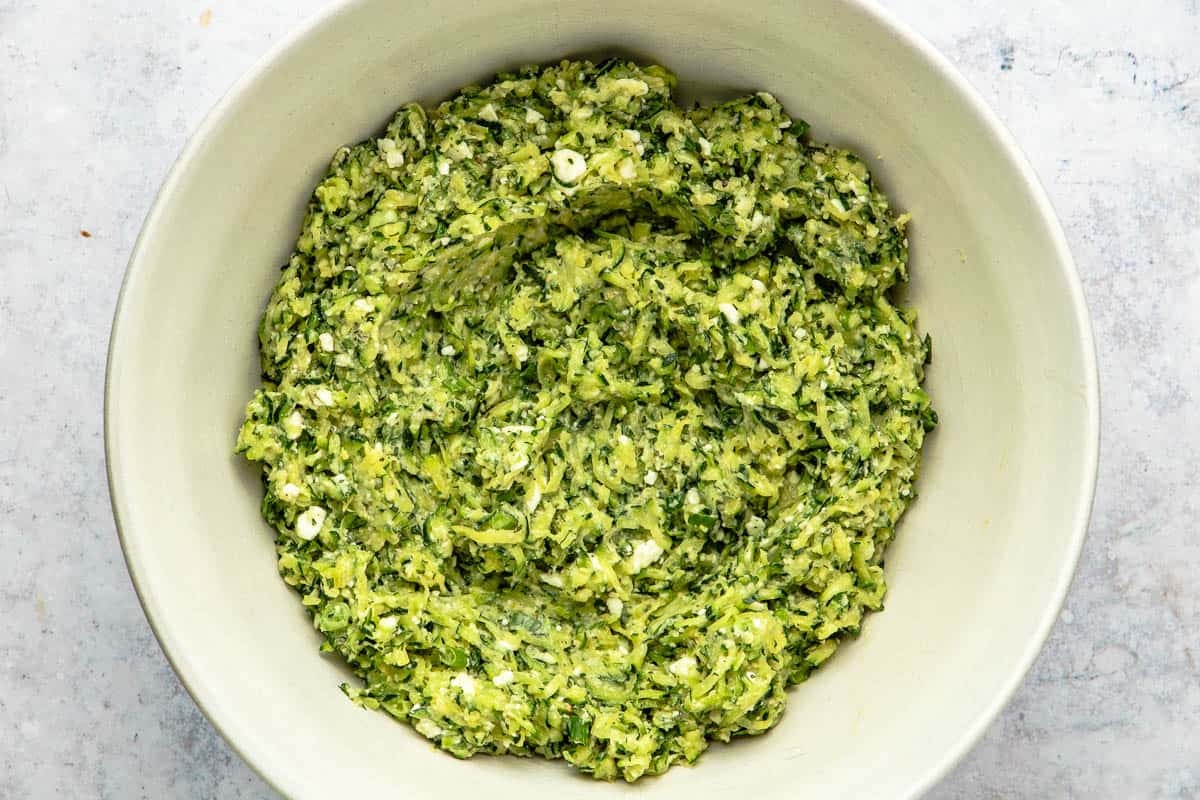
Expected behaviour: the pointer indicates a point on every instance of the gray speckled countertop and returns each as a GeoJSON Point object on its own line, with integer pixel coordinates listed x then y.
{"type": "Point", "coordinates": [98, 96]}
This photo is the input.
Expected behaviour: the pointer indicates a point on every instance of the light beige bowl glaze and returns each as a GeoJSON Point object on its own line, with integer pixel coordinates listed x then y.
{"type": "Point", "coordinates": [982, 561]}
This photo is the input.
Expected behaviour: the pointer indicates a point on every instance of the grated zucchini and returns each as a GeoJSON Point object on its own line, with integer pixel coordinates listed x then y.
{"type": "Point", "coordinates": [586, 419]}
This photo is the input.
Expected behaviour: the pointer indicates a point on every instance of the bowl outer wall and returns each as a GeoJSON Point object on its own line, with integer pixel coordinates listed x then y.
{"type": "Point", "coordinates": [893, 711]}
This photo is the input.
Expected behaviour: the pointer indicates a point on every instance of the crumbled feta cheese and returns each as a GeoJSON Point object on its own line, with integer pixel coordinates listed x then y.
{"type": "Point", "coordinates": [758, 285]}
{"type": "Point", "coordinates": [293, 426]}
{"type": "Point", "coordinates": [683, 667]}
{"type": "Point", "coordinates": [533, 115]}
{"type": "Point", "coordinates": [569, 165]}
{"type": "Point", "coordinates": [503, 678]}
{"type": "Point", "coordinates": [310, 522]}
{"type": "Point", "coordinates": [488, 113]}
{"type": "Point", "coordinates": [692, 498]}
{"type": "Point", "coordinates": [730, 312]}
{"type": "Point", "coordinates": [443, 167]}
{"type": "Point", "coordinates": [645, 553]}
{"type": "Point", "coordinates": [651, 477]}
{"type": "Point", "coordinates": [630, 86]}
{"type": "Point", "coordinates": [326, 342]}
{"type": "Point", "coordinates": [290, 491]}
{"type": "Point", "coordinates": [636, 138]}
{"type": "Point", "coordinates": [428, 728]}
{"type": "Point", "coordinates": [388, 623]}
{"type": "Point", "coordinates": [448, 350]}
{"type": "Point", "coordinates": [391, 154]}
{"type": "Point", "coordinates": [626, 169]}
{"type": "Point", "coordinates": [705, 147]}
{"type": "Point", "coordinates": [323, 397]}
{"type": "Point", "coordinates": [615, 606]}
{"type": "Point", "coordinates": [465, 683]}
{"type": "Point", "coordinates": [364, 305]}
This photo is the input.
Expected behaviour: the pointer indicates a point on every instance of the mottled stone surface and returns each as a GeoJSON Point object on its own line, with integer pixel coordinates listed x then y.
{"type": "Point", "coordinates": [97, 97]}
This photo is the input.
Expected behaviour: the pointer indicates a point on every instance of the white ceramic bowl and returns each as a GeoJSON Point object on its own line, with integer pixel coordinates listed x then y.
{"type": "Point", "coordinates": [983, 559]}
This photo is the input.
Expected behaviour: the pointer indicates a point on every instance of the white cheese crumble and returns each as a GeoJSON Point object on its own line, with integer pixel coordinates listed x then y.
{"type": "Point", "coordinates": [651, 477]}
{"type": "Point", "coordinates": [364, 305]}
{"type": "Point", "coordinates": [488, 113]}
{"type": "Point", "coordinates": [293, 426]}
{"type": "Point", "coordinates": [326, 342]}
{"type": "Point", "coordinates": [615, 606]}
{"type": "Point", "coordinates": [730, 312]}
{"type": "Point", "coordinates": [532, 115]}
{"type": "Point", "coordinates": [705, 147]}
{"type": "Point", "coordinates": [448, 350]}
{"type": "Point", "coordinates": [429, 728]}
{"type": "Point", "coordinates": [569, 165]}
{"type": "Point", "coordinates": [503, 678]}
{"type": "Point", "coordinates": [683, 667]}
{"type": "Point", "coordinates": [645, 553]}
{"type": "Point", "coordinates": [636, 138]}
{"type": "Point", "coordinates": [631, 86]}
{"type": "Point", "coordinates": [443, 167]}
{"type": "Point", "coordinates": [758, 285]}
{"type": "Point", "coordinates": [290, 491]}
{"type": "Point", "coordinates": [626, 169]}
{"type": "Point", "coordinates": [310, 522]}
{"type": "Point", "coordinates": [391, 154]}
{"type": "Point", "coordinates": [465, 683]}
{"type": "Point", "coordinates": [388, 623]}
{"type": "Point", "coordinates": [323, 397]}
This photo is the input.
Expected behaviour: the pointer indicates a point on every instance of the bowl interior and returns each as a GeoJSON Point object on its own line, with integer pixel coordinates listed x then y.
{"type": "Point", "coordinates": [982, 559]}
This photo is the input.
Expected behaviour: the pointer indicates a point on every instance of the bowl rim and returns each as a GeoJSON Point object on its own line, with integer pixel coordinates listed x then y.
{"type": "Point", "coordinates": [205, 696]}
